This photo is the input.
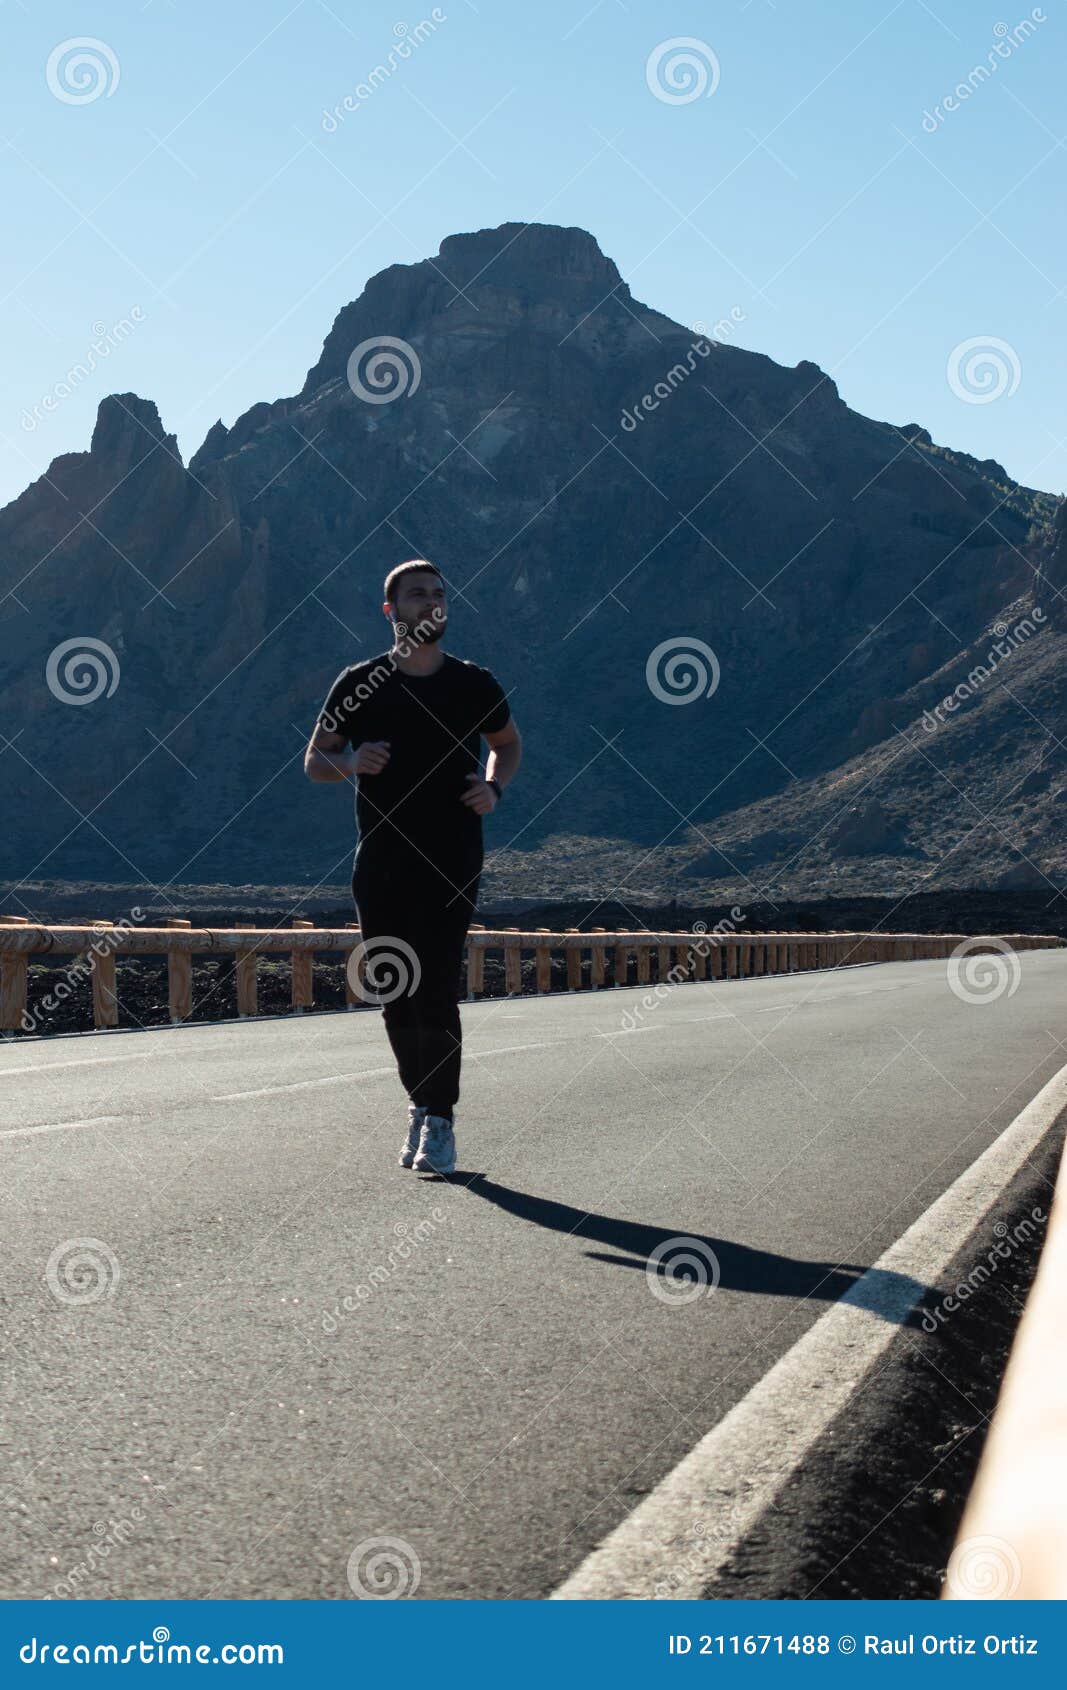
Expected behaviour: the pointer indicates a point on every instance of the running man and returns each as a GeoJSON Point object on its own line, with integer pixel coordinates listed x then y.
{"type": "Point", "coordinates": [405, 727]}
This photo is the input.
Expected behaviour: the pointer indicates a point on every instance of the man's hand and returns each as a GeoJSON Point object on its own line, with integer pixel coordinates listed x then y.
{"type": "Point", "coordinates": [328, 757]}
{"type": "Point", "coordinates": [372, 757]}
{"type": "Point", "coordinates": [480, 797]}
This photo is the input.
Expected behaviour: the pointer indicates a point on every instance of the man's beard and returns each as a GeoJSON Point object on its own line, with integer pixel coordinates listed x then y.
{"type": "Point", "coordinates": [426, 631]}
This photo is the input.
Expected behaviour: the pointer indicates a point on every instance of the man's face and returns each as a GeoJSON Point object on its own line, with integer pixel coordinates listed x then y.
{"type": "Point", "coordinates": [420, 613]}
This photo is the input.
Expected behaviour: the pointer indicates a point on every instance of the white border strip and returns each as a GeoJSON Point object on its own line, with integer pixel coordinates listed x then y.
{"type": "Point", "coordinates": [672, 1541]}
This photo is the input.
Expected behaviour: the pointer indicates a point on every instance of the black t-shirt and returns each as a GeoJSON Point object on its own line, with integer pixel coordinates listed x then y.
{"type": "Point", "coordinates": [433, 724]}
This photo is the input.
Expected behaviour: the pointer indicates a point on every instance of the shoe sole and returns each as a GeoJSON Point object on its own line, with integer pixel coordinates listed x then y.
{"type": "Point", "coordinates": [425, 1167]}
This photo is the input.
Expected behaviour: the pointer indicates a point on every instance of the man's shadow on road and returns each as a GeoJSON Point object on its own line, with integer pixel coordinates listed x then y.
{"type": "Point", "coordinates": [740, 1267]}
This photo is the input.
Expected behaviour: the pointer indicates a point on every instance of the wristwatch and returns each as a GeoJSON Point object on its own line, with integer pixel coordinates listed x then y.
{"type": "Point", "coordinates": [496, 786]}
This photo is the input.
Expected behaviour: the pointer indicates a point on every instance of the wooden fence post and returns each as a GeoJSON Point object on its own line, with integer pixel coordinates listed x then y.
{"type": "Point", "coordinates": [180, 978]}
{"type": "Point", "coordinates": [574, 963]}
{"type": "Point", "coordinates": [245, 974]}
{"type": "Point", "coordinates": [597, 955]}
{"type": "Point", "coordinates": [543, 963]}
{"type": "Point", "coordinates": [352, 997]}
{"type": "Point", "coordinates": [475, 963]}
{"type": "Point", "coordinates": [303, 983]}
{"type": "Point", "coordinates": [512, 964]}
{"type": "Point", "coordinates": [12, 980]}
{"type": "Point", "coordinates": [102, 975]}
{"type": "Point", "coordinates": [643, 952]}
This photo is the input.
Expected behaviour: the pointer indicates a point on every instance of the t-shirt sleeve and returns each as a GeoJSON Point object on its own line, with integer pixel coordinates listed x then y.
{"type": "Point", "coordinates": [493, 708]}
{"type": "Point", "coordinates": [339, 712]}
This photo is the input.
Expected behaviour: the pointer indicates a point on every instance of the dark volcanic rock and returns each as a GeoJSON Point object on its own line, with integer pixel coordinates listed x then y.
{"type": "Point", "coordinates": [867, 830]}
{"type": "Point", "coordinates": [579, 528]}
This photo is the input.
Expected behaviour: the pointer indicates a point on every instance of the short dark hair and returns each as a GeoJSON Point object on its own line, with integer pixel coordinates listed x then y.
{"type": "Point", "coordinates": [413, 566]}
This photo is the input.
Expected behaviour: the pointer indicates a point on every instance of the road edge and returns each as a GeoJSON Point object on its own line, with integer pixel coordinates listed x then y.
{"type": "Point", "coordinates": [687, 1529]}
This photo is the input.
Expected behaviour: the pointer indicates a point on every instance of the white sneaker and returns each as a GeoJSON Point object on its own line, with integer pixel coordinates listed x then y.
{"type": "Point", "coordinates": [437, 1147]}
{"type": "Point", "coordinates": [409, 1148]}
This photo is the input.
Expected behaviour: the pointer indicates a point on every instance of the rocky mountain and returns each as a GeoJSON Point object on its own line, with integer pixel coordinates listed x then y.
{"type": "Point", "coordinates": [726, 607]}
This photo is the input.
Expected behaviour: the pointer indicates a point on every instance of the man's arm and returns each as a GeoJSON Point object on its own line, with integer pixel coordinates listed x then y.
{"type": "Point", "coordinates": [328, 757]}
{"type": "Point", "coordinates": [505, 753]}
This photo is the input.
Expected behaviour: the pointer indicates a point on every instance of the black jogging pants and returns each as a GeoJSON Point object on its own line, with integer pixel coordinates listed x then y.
{"type": "Point", "coordinates": [414, 917]}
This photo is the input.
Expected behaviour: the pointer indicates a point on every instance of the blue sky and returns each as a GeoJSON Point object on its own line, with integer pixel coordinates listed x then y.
{"type": "Point", "coordinates": [200, 199]}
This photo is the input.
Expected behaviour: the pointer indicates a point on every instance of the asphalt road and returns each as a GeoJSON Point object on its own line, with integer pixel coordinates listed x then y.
{"type": "Point", "coordinates": [279, 1345]}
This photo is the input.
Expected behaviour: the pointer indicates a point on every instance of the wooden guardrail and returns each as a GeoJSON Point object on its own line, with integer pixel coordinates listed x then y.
{"type": "Point", "coordinates": [1012, 1540]}
{"type": "Point", "coordinates": [689, 955]}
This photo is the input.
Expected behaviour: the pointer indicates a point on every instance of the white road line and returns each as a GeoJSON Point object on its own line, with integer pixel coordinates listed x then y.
{"type": "Point", "coordinates": [735, 1472]}
{"type": "Point", "coordinates": [65, 1126]}
{"type": "Point", "coordinates": [361, 1074]}
{"type": "Point", "coordinates": [499, 1050]}
{"type": "Point", "coordinates": [624, 1032]}
{"type": "Point", "coordinates": [79, 1062]}
{"type": "Point", "coordinates": [301, 1085]}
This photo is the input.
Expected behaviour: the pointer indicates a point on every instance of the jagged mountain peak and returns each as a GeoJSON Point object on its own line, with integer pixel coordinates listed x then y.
{"type": "Point", "coordinates": [490, 278]}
